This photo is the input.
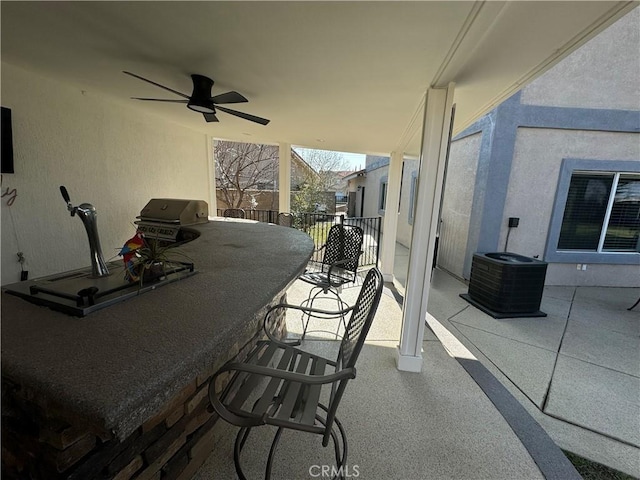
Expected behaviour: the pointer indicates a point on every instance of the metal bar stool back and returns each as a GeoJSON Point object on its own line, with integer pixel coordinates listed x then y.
{"type": "Point", "coordinates": [338, 267]}
{"type": "Point", "coordinates": [285, 219]}
{"type": "Point", "coordinates": [282, 386]}
{"type": "Point", "coordinates": [234, 213]}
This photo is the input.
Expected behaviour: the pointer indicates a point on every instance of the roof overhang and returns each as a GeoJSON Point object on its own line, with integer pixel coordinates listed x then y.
{"type": "Point", "coordinates": [347, 76]}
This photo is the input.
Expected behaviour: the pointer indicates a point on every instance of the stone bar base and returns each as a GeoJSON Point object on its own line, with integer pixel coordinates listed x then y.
{"type": "Point", "coordinates": [38, 444]}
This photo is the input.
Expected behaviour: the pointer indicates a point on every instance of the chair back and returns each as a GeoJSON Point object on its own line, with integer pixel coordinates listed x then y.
{"type": "Point", "coordinates": [355, 335]}
{"type": "Point", "coordinates": [233, 213]}
{"type": "Point", "coordinates": [361, 318]}
{"type": "Point", "coordinates": [285, 219]}
{"type": "Point", "coordinates": [344, 242]}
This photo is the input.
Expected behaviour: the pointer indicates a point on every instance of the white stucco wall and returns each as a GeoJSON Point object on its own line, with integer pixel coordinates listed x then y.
{"type": "Point", "coordinates": [600, 74]}
{"type": "Point", "coordinates": [457, 204]}
{"type": "Point", "coordinates": [105, 153]}
{"type": "Point", "coordinates": [372, 192]}
{"type": "Point", "coordinates": [532, 186]}
{"type": "Point", "coordinates": [355, 185]}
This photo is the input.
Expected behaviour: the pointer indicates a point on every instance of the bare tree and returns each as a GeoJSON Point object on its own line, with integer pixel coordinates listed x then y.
{"type": "Point", "coordinates": [326, 164]}
{"type": "Point", "coordinates": [324, 178]}
{"type": "Point", "coordinates": [244, 166]}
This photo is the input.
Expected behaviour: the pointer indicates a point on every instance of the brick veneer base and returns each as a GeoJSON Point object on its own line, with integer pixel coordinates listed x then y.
{"type": "Point", "coordinates": [173, 444]}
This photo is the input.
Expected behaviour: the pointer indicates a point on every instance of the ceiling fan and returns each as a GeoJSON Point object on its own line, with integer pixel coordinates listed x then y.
{"type": "Point", "coordinates": [202, 101]}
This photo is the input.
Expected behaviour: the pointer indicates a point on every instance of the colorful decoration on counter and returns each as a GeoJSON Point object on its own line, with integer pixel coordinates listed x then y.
{"type": "Point", "coordinates": [130, 256]}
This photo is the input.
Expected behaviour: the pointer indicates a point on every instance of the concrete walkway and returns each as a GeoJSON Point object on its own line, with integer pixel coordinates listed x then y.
{"type": "Point", "coordinates": [577, 371]}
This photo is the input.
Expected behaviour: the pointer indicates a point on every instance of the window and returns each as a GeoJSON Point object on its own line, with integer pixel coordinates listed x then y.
{"type": "Point", "coordinates": [382, 199]}
{"type": "Point", "coordinates": [602, 213]}
{"type": "Point", "coordinates": [596, 213]}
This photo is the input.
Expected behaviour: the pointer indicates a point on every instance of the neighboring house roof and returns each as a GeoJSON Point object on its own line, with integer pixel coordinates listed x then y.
{"type": "Point", "coordinates": [374, 162]}
{"type": "Point", "coordinates": [296, 158]}
{"type": "Point", "coordinates": [343, 173]}
{"type": "Point", "coordinates": [359, 173]}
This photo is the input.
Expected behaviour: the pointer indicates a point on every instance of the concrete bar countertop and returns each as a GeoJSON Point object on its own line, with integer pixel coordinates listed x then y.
{"type": "Point", "coordinates": [116, 367]}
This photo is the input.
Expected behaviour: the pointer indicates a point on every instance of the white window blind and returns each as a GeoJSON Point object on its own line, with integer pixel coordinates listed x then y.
{"type": "Point", "coordinates": [602, 213]}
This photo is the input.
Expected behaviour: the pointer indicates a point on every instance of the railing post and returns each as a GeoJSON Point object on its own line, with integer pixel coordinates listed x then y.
{"type": "Point", "coordinates": [342, 219]}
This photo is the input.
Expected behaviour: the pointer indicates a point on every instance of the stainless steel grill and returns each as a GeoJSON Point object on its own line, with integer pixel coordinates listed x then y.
{"type": "Point", "coordinates": [162, 218]}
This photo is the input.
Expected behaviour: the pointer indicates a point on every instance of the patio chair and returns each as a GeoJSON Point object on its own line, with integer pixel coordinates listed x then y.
{"type": "Point", "coordinates": [233, 213]}
{"type": "Point", "coordinates": [285, 219]}
{"type": "Point", "coordinates": [280, 385]}
{"type": "Point", "coordinates": [337, 268]}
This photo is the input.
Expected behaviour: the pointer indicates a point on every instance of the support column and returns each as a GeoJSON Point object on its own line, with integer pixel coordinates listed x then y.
{"type": "Point", "coordinates": [284, 178]}
{"type": "Point", "coordinates": [390, 226]}
{"type": "Point", "coordinates": [435, 135]}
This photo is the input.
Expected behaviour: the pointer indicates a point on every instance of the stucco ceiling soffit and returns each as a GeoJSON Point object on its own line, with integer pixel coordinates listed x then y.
{"type": "Point", "coordinates": [408, 142]}
{"type": "Point", "coordinates": [346, 76]}
{"type": "Point", "coordinates": [525, 43]}
{"type": "Point", "coordinates": [478, 25]}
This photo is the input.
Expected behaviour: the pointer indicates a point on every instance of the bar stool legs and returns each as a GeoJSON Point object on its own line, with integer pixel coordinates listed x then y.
{"type": "Point", "coordinates": [339, 445]}
{"type": "Point", "coordinates": [314, 294]}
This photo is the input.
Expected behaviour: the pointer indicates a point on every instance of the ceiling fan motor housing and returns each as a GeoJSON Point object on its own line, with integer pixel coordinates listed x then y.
{"type": "Point", "coordinates": [200, 100]}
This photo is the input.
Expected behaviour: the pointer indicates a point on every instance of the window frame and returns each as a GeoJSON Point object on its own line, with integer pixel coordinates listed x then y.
{"type": "Point", "coordinates": [568, 167]}
{"type": "Point", "coordinates": [383, 192]}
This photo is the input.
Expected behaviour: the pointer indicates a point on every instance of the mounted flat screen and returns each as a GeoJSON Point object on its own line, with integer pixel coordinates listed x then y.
{"type": "Point", "coordinates": [7, 141]}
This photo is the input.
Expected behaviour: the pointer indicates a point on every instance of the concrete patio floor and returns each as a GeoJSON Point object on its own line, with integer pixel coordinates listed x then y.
{"type": "Point", "coordinates": [576, 371]}
{"type": "Point", "coordinates": [436, 424]}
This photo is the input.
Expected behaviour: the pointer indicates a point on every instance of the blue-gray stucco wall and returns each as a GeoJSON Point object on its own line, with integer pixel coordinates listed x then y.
{"type": "Point", "coordinates": [499, 130]}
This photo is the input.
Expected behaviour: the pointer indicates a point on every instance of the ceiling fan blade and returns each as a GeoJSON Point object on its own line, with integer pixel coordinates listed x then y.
{"type": "Point", "coordinates": [229, 97]}
{"type": "Point", "coordinates": [246, 116]}
{"type": "Point", "coordinates": [160, 100]}
{"type": "Point", "coordinates": [210, 117]}
{"type": "Point", "coordinates": [156, 84]}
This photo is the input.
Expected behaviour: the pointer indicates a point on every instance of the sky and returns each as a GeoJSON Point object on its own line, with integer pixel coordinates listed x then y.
{"type": "Point", "coordinates": [354, 160]}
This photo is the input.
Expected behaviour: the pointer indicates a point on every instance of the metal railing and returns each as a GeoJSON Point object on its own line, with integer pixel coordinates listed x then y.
{"type": "Point", "coordinates": [317, 225]}
{"type": "Point", "coordinates": [267, 216]}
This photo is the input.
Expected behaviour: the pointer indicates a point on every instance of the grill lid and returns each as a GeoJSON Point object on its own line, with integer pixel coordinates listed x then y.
{"type": "Point", "coordinates": [175, 211]}
{"type": "Point", "coordinates": [162, 218]}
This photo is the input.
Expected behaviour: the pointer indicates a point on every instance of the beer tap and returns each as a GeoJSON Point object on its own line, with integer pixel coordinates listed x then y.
{"type": "Point", "coordinates": [88, 215]}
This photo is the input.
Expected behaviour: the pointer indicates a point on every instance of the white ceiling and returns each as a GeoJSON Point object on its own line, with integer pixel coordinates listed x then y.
{"type": "Point", "coordinates": [347, 76]}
